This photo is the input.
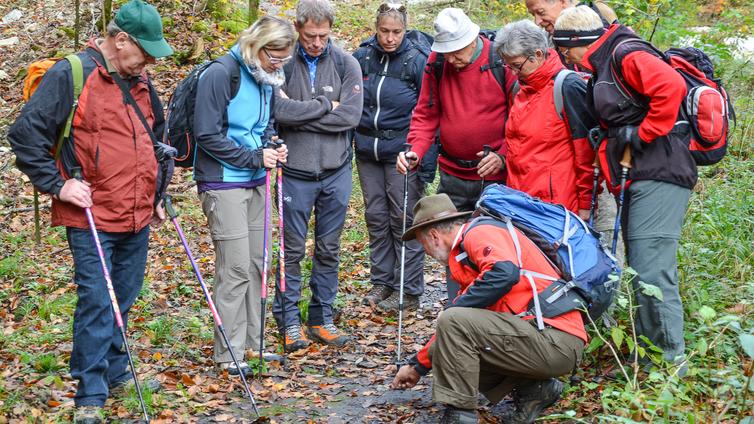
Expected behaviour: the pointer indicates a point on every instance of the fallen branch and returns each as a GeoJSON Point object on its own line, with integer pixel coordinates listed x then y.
{"type": "Point", "coordinates": [25, 209]}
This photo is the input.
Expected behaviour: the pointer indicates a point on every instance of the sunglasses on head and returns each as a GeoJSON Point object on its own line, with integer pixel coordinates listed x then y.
{"type": "Point", "coordinates": [386, 7]}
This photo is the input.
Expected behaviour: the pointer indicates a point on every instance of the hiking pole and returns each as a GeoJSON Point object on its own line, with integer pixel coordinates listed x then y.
{"type": "Point", "coordinates": [218, 322]}
{"type": "Point", "coordinates": [281, 247]}
{"type": "Point", "coordinates": [486, 150]}
{"type": "Point", "coordinates": [595, 187]}
{"type": "Point", "coordinates": [406, 149]}
{"type": "Point", "coordinates": [265, 258]}
{"type": "Point", "coordinates": [625, 164]}
{"type": "Point", "coordinates": [76, 172]}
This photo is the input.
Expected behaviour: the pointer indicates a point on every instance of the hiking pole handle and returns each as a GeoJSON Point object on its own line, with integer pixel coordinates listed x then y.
{"type": "Point", "coordinates": [486, 149]}
{"type": "Point", "coordinates": [625, 161]}
{"type": "Point", "coordinates": [76, 173]}
{"type": "Point", "coordinates": [168, 202]}
{"type": "Point", "coordinates": [278, 142]}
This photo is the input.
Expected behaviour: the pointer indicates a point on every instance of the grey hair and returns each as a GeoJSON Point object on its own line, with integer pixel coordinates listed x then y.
{"type": "Point", "coordinates": [392, 13]}
{"type": "Point", "coordinates": [113, 29]}
{"type": "Point", "coordinates": [579, 18]}
{"type": "Point", "coordinates": [521, 38]}
{"type": "Point", "coordinates": [267, 32]}
{"type": "Point", "coordinates": [314, 10]}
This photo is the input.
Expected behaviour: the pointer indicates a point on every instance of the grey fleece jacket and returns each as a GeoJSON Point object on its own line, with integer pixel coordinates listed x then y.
{"type": "Point", "coordinates": [318, 137]}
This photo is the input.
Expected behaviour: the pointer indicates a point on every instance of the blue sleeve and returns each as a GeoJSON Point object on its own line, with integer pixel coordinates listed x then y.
{"type": "Point", "coordinates": [213, 97]}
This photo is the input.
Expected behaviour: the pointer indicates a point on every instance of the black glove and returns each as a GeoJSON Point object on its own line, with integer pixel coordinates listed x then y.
{"type": "Point", "coordinates": [629, 136]}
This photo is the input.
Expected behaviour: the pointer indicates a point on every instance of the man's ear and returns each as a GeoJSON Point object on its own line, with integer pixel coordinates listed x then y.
{"type": "Point", "coordinates": [121, 39]}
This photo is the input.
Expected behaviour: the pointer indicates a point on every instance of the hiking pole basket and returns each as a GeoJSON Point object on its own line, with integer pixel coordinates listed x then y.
{"type": "Point", "coordinates": [216, 316]}
{"type": "Point", "coordinates": [76, 172]}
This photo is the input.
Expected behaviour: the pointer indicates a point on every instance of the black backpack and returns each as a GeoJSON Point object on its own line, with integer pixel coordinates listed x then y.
{"type": "Point", "coordinates": [495, 65]}
{"type": "Point", "coordinates": [420, 48]}
{"type": "Point", "coordinates": [179, 123]}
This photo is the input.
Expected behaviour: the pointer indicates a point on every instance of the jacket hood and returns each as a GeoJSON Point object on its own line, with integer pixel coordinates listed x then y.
{"type": "Point", "coordinates": [545, 73]}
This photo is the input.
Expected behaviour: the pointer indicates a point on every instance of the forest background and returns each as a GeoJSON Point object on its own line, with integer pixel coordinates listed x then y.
{"type": "Point", "coordinates": [171, 328]}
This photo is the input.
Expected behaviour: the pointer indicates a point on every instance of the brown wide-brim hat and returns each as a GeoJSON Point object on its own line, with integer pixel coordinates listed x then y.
{"type": "Point", "coordinates": [432, 209]}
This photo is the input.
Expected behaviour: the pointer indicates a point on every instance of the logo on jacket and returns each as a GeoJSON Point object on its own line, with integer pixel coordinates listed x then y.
{"type": "Point", "coordinates": [487, 250]}
{"type": "Point", "coordinates": [327, 89]}
{"type": "Point", "coordinates": [356, 88]}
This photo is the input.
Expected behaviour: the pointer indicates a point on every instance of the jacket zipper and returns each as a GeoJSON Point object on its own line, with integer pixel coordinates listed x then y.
{"type": "Point", "coordinates": [377, 114]}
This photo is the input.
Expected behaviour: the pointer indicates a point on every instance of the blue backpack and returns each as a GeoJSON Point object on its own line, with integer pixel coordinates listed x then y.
{"type": "Point", "coordinates": [589, 273]}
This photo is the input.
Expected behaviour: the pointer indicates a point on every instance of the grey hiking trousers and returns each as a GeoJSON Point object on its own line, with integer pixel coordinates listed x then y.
{"type": "Point", "coordinates": [382, 188]}
{"type": "Point", "coordinates": [236, 223]}
{"type": "Point", "coordinates": [653, 222]}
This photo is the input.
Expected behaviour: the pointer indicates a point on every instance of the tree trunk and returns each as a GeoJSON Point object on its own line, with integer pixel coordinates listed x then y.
{"type": "Point", "coordinates": [253, 11]}
{"type": "Point", "coordinates": [76, 25]}
{"type": "Point", "coordinates": [107, 11]}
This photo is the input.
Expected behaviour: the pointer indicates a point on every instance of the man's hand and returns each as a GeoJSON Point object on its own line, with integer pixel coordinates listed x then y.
{"type": "Point", "coordinates": [272, 156]}
{"type": "Point", "coordinates": [584, 214]}
{"type": "Point", "coordinates": [490, 164]}
{"type": "Point", "coordinates": [335, 104]}
{"type": "Point", "coordinates": [406, 378]}
{"type": "Point", "coordinates": [406, 162]}
{"type": "Point", "coordinates": [76, 192]}
{"type": "Point", "coordinates": [159, 215]}
{"type": "Point", "coordinates": [282, 94]}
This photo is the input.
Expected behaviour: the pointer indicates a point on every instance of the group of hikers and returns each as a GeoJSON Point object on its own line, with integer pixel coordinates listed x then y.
{"type": "Point", "coordinates": [488, 107]}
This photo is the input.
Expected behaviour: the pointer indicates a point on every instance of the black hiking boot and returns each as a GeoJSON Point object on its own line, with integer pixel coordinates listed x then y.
{"type": "Point", "coordinates": [377, 294]}
{"type": "Point", "coordinates": [390, 305]}
{"type": "Point", "coordinates": [455, 415]}
{"type": "Point", "coordinates": [530, 398]}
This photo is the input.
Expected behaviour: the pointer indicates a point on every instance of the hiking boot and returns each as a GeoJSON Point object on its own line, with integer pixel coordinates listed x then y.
{"type": "Point", "coordinates": [233, 370]}
{"type": "Point", "coordinates": [455, 415]}
{"type": "Point", "coordinates": [530, 398]}
{"type": "Point", "coordinates": [295, 339]}
{"type": "Point", "coordinates": [391, 304]}
{"type": "Point", "coordinates": [327, 334]}
{"type": "Point", "coordinates": [87, 415]}
{"type": "Point", "coordinates": [253, 354]}
{"type": "Point", "coordinates": [124, 386]}
{"type": "Point", "coordinates": [377, 295]}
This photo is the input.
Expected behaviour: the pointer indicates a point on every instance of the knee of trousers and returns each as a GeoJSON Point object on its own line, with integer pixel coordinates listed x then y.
{"type": "Point", "coordinates": [328, 250]}
{"type": "Point", "coordinates": [453, 321]}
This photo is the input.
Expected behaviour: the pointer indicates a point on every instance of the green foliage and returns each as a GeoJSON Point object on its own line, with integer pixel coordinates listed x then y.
{"type": "Point", "coordinates": [161, 330]}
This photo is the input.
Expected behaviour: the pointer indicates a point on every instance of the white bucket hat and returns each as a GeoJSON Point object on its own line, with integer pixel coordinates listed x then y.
{"type": "Point", "coordinates": [454, 30]}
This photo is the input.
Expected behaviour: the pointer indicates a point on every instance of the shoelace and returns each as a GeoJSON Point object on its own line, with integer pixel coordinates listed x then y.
{"type": "Point", "coordinates": [331, 328]}
{"type": "Point", "coordinates": [294, 331]}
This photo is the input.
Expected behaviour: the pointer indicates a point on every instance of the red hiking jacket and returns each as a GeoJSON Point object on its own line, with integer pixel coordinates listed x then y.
{"type": "Point", "coordinates": [468, 108]}
{"type": "Point", "coordinates": [550, 157]}
{"type": "Point", "coordinates": [491, 249]}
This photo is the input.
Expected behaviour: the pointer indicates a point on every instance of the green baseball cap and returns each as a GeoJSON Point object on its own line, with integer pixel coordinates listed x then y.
{"type": "Point", "coordinates": [141, 21]}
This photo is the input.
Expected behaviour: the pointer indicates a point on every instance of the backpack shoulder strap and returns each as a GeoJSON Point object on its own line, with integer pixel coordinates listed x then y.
{"type": "Point", "coordinates": [558, 91]}
{"type": "Point", "coordinates": [77, 74]}
{"type": "Point", "coordinates": [234, 69]}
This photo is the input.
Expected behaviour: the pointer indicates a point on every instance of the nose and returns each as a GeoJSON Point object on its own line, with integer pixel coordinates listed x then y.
{"type": "Point", "coordinates": [538, 20]}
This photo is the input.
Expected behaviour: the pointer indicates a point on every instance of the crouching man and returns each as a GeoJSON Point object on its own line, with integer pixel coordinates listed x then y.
{"type": "Point", "coordinates": [485, 341]}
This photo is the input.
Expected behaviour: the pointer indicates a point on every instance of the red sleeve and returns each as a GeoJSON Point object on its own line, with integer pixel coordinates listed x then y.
{"type": "Point", "coordinates": [652, 77]}
{"type": "Point", "coordinates": [584, 160]}
{"type": "Point", "coordinates": [423, 355]}
{"type": "Point", "coordinates": [426, 118]}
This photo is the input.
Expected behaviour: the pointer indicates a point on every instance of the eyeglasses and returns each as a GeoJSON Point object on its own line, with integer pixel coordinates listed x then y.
{"type": "Point", "coordinates": [276, 60]}
{"type": "Point", "coordinates": [564, 52]}
{"type": "Point", "coordinates": [517, 68]}
{"type": "Point", "coordinates": [136, 42]}
{"type": "Point", "coordinates": [386, 7]}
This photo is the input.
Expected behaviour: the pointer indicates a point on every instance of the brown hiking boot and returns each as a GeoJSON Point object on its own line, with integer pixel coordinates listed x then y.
{"type": "Point", "coordinates": [327, 334]}
{"type": "Point", "coordinates": [377, 295]}
{"type": "Point", "coordinates": [410, 303]}
{"type": "Point", "coordinates": [295, 339]}
{"type": "Point", "coordinates": [530, 398]}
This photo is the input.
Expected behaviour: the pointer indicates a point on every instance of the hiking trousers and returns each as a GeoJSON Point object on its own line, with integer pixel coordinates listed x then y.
{"type": "Point", "coordinates": [98, 356]}
{"type": "Point", "coordinates": [654, 218]}
{"type": "Point", "coordinates": [236, 223]}
{"type": "Point", "coordinates": [604, 223]}
{"type": "Point", "coordinates": [478, 350]}
{"type": "Point", "coordinates": [382, 188]}
{"type": "Point", "coordinates": [328, 198]}
{"type": "Point", "coordinates": [464, 195]}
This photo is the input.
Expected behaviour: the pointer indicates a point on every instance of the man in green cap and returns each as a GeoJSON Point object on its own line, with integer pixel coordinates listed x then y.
{"type": "Point", "coordinates": [124, 174]}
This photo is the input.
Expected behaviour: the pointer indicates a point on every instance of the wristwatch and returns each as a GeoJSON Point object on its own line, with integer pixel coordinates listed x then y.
{"type": "Point", "coordinates": [55, 191]}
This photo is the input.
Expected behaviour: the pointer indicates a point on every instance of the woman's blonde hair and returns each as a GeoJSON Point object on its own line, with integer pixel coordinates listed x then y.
{"type": "Point", "coordinates": [267, 32]}
{"type": "Point", "coordinates": [579, 18]}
